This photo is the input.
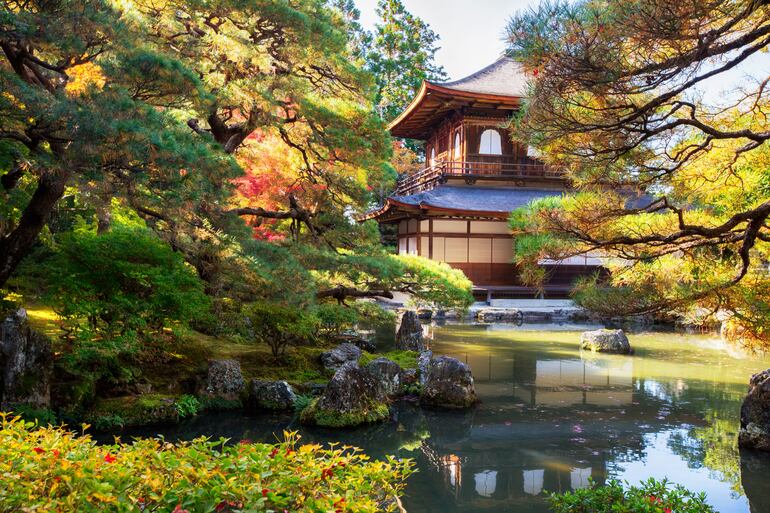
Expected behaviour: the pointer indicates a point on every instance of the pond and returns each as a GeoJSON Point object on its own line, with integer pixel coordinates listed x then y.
{"type": "Point", "coordinates": [552, 417]}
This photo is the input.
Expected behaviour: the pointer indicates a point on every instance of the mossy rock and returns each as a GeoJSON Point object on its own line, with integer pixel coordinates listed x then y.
{"type": "Point", "coordinates": [371, 413]}
{"type": "Point", "coordinates": [134, 410]}
{"type": "Point", "coordinates": [404, 359]}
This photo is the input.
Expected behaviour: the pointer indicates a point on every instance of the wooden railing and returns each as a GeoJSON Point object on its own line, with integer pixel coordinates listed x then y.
{"type": "Point", "coordinates": [490, 168]}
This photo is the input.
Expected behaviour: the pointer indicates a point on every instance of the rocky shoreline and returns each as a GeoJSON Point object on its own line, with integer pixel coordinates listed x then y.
{"type": "Point", "coordinates": [360, 390]}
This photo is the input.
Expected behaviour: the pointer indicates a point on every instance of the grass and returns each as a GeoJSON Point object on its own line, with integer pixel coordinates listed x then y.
{"type": "Point", "coordinates": [405, 359]}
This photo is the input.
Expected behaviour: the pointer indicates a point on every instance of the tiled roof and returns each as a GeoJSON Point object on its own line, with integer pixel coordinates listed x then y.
{"type": "Point", "coordinates": [503, 77]}
{"type": "Point", "coordinates": [476, 199]}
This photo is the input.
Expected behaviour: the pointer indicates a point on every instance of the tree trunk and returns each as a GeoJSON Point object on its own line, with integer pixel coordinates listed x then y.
{"type": "Point", "coordinates": [18, 243]}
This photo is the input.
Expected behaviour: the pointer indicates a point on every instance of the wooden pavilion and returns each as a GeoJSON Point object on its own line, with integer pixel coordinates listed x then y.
{"type": "Point", "coordinates": [456, 209]}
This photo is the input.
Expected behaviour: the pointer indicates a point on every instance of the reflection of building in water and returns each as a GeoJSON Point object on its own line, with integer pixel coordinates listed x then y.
{"type": "Point", "coordinates": [579, 478]}
{"type": "Point", "coordinates": [553, 382]}
{"type": "Point", "coordinates": [502, 484]}
{"type": "Point", "coordinates": [533, 481]}
{"type": "Point", "coordinates": [486, 482]}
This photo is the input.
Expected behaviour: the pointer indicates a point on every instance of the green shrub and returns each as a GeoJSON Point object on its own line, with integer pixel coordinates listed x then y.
{"type": "Point", "coordinates": [125, 280]}
{"type": "Point", "coordinates": [50, 469]}
{"type": "Point", "coordinates": [649, 497]}
{"type": "Point", "coordinates": [116, 293]}
{"type": "Point", "coordinates": [278, 326]}
{"type": "Point", "coordinates": [333, 319]}
{"type": "Point", "coordinates": [42, 416]}
{"type": "Point", "coordinates": [412, 389]}
{"type": "Point", "coordinates": [302, 402]}
{"type": "Point", "coordinates": [187, 406]}
{"type": "Point", "coordinates": [109, 422]}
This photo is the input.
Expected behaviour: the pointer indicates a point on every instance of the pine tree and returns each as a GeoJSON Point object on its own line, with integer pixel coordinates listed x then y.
{"type": "Point", "coordinates": [403, 55]}
{"type": "Point", "coordinates": [673, 187]}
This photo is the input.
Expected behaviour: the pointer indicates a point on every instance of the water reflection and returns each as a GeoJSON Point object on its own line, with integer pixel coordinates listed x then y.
{"type": "Point", "coordinates": [552, 418]}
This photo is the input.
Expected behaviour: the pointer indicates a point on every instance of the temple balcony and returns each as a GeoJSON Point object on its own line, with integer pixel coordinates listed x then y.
{"type": "Point", "coordinates": [492, 168]}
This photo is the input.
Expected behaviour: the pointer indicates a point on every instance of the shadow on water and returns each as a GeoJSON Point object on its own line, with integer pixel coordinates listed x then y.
{"type": "Point", "coordinates": [551, 418]}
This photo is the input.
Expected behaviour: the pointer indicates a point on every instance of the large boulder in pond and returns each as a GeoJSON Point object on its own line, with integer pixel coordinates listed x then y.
{"type": "Point", "coordinates": [224, 380]}
{"type": "Point", "coordinates": [387, 375]}
{"type": "Point", "coordinates": [271, 395]}
{"type": "Point", "coordinates": [340, 356]}
{"type": "Point", "coordinates": [352, 397]}
{"type": "Point", "coordinates": [606, 341]}
{"type": "Point", "coordinates": [409, 336]}
{"type": "Point", "coordinates": [26, 364]}
{"type": "Point", "coordinates": [448, 384]}
{"type": "Point", "coordinates": [755, 414]}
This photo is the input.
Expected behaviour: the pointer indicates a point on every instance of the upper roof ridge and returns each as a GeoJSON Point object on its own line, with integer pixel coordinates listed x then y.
{"type": "Point", "coordinates": [503, 77]}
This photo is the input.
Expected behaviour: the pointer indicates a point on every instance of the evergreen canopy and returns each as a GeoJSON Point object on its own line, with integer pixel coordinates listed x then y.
{"type": "Point", "coordinates": [615, 101]}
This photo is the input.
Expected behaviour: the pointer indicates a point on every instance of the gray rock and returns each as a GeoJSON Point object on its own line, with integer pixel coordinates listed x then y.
{"type": "Point", "coordinates": [606, 341]}
{"type": "Point", "coordinates": [340, 356]}
{"type": "Point", "coordinates": [448, 384]}
{"type": "Point", "coordinates": [271, 395]}
{"type": "Point", "coordinates": [351, 388]}
{"type": "Point", "coordinates": [755, 414]}
{"type": "Point", "coordinates": [387, 374]}
{"type": "Point", "coordinates": [499, 315]}
{"type": "Point", "coordinates": [352, 397]}
{"type": "Point", "coordinates": [425, 314]}
{"type": "Point", "coordinates": [26, 363]}
{"type": "Point", "coordinates": [423, 360]}
{"type": "Point", "coordinates": [409, 335]}
{"type": "Point", "coordinates": [409, 377]}
{"type": "Point", "coordinates": [357, 340]}
{"type": "Point", "coordinates": [224, 379]}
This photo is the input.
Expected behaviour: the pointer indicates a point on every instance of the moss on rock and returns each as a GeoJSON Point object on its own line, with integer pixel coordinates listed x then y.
{"type": "Point", "coordinates": [371, 413]}
{"type": "Point", "coordinates": [135, 410]}
{"type": "Point", "coordinates": [404, 359]}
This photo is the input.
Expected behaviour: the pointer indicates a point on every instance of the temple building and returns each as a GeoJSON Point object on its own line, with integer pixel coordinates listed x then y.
{"type": "Point", "coordinates": [456, 209]}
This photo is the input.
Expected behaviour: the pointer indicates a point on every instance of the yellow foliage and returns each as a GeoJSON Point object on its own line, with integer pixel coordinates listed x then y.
{"type": "Point", "coordinates": [84, 77]}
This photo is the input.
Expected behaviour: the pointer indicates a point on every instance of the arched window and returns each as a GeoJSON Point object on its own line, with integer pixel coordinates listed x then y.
{"type": "Point", "coordinates": [491, 143]}
{"type": "Point", "coordinates": [457, 148]}
{"type": "Point", "coordinates": [433, 157]}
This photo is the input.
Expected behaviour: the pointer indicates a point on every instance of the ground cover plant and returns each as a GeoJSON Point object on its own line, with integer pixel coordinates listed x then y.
{"type": "Point", "coordinates": [52, 469]}
{"type": "Point", "coordinates": [650, 496]}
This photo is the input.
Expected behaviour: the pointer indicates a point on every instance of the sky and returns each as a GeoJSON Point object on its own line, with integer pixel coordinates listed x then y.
{"type": "Point", "coordinates": [472, 37]}
{"type": "Point", "coordinates": [471, 30]}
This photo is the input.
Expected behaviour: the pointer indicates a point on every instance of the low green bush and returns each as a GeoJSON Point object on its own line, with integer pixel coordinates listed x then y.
{"type": "Point", "coordinates": [118, 295]}
{"type": "Point", "coordinates": [279, 326]}
{"type": "Point", "coordinates": [187, 406]}
{"type": "Point", "coordinates": [42, 416]}
{"type": "Point", "coordinates": [109, 422]}
{"type": "Point", "coordinates": [302, 402]}
{"type": "Point", "coordinates": [51, 469]}
{"type": "Point", "coordinates": [650, 496]}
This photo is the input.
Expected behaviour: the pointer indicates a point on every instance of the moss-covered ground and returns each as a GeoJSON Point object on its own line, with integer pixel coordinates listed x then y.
{"type": "Point", "coordinates": [185, 358]}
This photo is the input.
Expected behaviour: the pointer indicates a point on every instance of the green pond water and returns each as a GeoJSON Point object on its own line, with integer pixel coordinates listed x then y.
{"type": "Point", "coordinates": [552, 417]}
